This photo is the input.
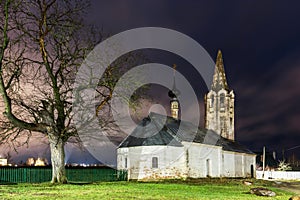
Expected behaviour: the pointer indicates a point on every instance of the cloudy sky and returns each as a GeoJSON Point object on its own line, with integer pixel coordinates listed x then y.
{"type": "Point", "coordinates": [261, 50]}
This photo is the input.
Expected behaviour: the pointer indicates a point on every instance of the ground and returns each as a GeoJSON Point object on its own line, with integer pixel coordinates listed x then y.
{"type": "Point", "coordinates": [293, 186]}
{"type": "Point", "coordinates": [191, 189]}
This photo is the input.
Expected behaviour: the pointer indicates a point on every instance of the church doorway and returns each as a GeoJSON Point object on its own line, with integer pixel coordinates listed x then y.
{"type": "Point", "coordinates": [208, 168]}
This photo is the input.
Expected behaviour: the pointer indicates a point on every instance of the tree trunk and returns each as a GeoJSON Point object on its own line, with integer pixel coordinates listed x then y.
{"type": "Point", "coordinates": [57, 159]}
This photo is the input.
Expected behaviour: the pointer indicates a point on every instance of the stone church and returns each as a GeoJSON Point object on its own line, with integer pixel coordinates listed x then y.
{"type": "Point", "coordinates": [163, 147]}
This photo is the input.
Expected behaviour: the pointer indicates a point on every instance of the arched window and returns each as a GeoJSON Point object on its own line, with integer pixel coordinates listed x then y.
{"type": "Point", "coordinates": [154, 162]}
{"type": "Point", "coordinates": [222, 100]}
{"type": "Point", "coordinates": [212, 100]}
{"type": "Point", "coordinates": [174, 104]}
{"type": "Point", "coordinates": [126, 162]}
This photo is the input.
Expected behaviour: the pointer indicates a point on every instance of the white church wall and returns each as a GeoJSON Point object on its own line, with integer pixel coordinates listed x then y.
{"type": "Point", "coordinates": [239, 165]}
{"type": "Point", "coordinates": [236, 164]}
{"type": "Point", "coordinates": [170, 161]}
{"type": "Point", "coordinates": [193, 160]}
{"type": "Point", "coordinates": [203, 160]}
{"type": "Point", "coordinates": [249, 164]}
{"type": "Point", "coordinates": [228, 164]}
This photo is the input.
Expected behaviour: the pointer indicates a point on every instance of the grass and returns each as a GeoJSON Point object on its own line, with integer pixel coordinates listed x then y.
{"type": "Point", "coordinates": [191, 189]}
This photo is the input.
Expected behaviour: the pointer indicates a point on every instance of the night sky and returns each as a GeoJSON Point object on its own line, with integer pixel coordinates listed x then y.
{"type": "Point", "coordinates": [261, 50]}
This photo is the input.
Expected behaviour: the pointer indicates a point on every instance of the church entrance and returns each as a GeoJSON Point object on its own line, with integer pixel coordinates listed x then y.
{"type": "Point", "coordinates": [208, 168]}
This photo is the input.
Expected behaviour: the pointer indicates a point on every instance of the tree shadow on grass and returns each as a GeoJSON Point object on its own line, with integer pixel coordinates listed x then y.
{"type": "Point", "coordinates": [7, 183]}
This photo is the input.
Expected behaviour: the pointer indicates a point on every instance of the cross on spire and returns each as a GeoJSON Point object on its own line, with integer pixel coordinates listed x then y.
{"type": "Point", "coordinates": [174, 69]}
{"type": "Point", "coordinates": [174, 83]}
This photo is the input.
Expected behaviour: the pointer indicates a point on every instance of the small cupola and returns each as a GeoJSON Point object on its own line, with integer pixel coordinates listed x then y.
{"type": "Point", "coordinates": [173, 94]}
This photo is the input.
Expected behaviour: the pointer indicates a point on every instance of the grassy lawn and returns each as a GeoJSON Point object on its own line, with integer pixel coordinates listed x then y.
{"type": "Point", "coordinates": [193, 189]}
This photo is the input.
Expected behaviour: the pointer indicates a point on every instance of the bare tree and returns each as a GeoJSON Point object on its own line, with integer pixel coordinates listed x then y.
{"type": "Point", "coordinates": [40, 52]}
{"type": "Point", "coordinates": [43, 42]}
{"type": "Point", "coordinates": [284, 166]}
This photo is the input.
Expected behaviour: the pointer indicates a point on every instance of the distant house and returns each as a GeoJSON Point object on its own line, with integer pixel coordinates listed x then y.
{"type": "Point", "coordinates": [41, 162]}
{"type": "Point", "coordinates": [271, 163]}
{"type": "Point", "coordinates": [157, 148]}
{"type": "Point", "coordinates": [36, 162]}
{"type": "Point", "coordinates": [30, 161]}
{"type": "Point", "coordinates": [3, 162]}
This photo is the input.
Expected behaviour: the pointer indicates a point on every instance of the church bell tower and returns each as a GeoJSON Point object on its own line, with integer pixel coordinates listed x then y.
{"type": "Point", "coordinates": [219, 103]}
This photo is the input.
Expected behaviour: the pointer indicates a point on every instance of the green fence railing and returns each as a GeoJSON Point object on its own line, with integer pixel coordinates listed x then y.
{"type": "Point", "coordinates": [43, 174]}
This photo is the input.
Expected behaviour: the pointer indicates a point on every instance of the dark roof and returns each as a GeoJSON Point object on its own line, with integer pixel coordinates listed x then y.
{"type": "Point", "coordinates": [158, 129]}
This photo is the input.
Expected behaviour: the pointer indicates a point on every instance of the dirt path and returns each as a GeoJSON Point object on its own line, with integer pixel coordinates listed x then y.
{"type": "Point", "coordinates": [288, 186]}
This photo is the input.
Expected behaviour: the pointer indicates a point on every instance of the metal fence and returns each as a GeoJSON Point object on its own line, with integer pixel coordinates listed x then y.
{"type": "Point", "coordinates": [43, 174]}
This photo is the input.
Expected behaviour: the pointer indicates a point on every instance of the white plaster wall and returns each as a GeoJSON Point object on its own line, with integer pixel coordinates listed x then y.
{"type": "Point", "coordinates": [228, 164]}
{"type": "Point", "coordinates": [237, 164]}
{"type": "Point", "coordinates": [171, 162]}
{"type": "Point", "coordinates": [203, 160]}
{"type": "Point", "coordinates": [193, 160]}
{"type": "Point", "coordinates": [248, 161]}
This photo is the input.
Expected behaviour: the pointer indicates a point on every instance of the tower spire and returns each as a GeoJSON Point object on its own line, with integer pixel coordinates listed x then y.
{"type": "Point", "coordinates": [219, 103]}
{"type": "Point", "coordinates": [219, 79]}
{"type": "Point", "coordinates": [173, 94]}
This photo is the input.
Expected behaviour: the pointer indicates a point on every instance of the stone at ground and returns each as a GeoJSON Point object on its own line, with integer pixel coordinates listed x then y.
{"type": "Point", "coordinates": [247, 183]}
{"type": "Point", "coordinates": [262, 192]}
{"type": "Point", "coordinates": [295, 198]}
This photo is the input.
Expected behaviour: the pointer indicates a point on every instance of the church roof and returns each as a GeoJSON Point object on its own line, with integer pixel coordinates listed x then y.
{"type": "Point", "coordinates": [158, 129]}
{"type": "Point", "coordinates": [219, 79]}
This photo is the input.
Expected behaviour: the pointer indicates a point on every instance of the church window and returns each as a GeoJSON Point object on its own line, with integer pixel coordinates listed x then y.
{"type": "Point", "coordinates": [212, 99]}
{"type": "Point", "coordinates": [126, 162]}
{"type": "Point", "coordinates": [154, 162]}
{"type": "Point", "coordinates": [175, 105]}
{"type": "Point", "coordinates": [222, 100]}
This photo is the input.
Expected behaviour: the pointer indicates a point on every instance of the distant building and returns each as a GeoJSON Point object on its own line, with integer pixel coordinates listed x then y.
{"type": "Point", "coordinates": [36, 162]}
{"type": "Point", "coordinates": [40, 162]}
{"type": "Point", "coordinates": [30, 162]}
{"type": "Point", "coordinates": [3, 162]}
{"type": "Point", "coordinates": [158, 149]}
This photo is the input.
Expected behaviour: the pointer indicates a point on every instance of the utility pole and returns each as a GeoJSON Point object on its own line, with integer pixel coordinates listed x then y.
{"type": "Point", "coordinates": [264, 160]}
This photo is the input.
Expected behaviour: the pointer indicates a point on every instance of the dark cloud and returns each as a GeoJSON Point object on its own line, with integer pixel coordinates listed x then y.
{"type": "Point", "coordinates": [268, 111]}
{"type": "Point", "coordinates": [260, 45]}
{"type": "Point", "coordinates": [261, 50]}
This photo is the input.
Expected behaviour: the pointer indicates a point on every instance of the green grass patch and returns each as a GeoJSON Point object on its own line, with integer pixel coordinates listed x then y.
{"type": "Point", "coordinates": [172, 189]}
